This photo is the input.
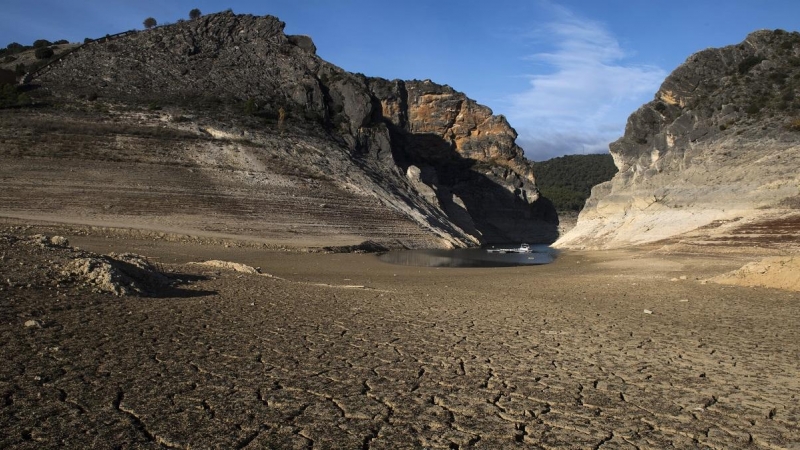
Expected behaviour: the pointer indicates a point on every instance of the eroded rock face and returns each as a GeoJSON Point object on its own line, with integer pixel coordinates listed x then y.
{"type": "Point", "coordinates": [225, 66]}
{"type": "Point", "coordinates": [482, 180]}
{"type": "Point", "coordinates": [718, 144]}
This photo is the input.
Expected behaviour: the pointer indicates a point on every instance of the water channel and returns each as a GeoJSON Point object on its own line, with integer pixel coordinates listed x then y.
{"type": "Point", "coordinates": [470, 257]}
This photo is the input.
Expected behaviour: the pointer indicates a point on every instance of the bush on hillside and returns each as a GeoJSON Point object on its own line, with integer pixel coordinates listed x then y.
{"type": "Point", "coordinates": [44, 53]}
{"type": "Point", "coordinates": [11, 96]}
{"type": "Point", "coordinates": [41, 43]}
{"type": "Point", "coordinates": [149, 23]}
{"type": "Point", "coordinates": [748, 63]}
{"type": "Point", "coordinates": [194, 14]}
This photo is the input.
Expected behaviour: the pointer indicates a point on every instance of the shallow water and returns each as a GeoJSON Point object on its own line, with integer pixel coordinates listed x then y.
{"type": "Point", "coordinates": [472, 257]}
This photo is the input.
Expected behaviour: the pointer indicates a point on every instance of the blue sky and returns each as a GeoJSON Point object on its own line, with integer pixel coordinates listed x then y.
{"type": "Point", "coordinates": [566, 73]}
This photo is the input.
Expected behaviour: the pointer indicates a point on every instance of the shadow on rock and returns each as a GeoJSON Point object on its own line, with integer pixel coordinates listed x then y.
{"type": "Point", "coordinates": [470, 194]}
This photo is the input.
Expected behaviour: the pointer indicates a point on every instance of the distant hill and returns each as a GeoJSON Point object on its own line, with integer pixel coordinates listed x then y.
{"type": "Point", "coordinates": [568, 180]}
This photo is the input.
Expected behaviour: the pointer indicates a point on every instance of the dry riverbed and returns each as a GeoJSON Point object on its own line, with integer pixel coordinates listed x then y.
{"type": "Point", "coordinates": [623, 349]}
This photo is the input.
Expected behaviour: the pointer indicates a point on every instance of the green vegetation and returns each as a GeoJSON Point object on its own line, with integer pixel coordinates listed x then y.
{"type": "Point", "coordinates": [149, 23]}
{"type": "Point", "coordinates": [748, 63]}
{"type": "Point", "coordinates": [250, 107]}
{"type": "Point", "coordinates": [11, 96]}
{"type": "Point", "coordinates": [44, 53]}
{"type": "Point", "coordinates": [194, 14]}
{"type": "Point", "coordinates": [568, 180]}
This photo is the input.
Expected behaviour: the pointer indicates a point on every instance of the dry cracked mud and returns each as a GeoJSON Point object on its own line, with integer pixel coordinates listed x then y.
{"type": "Point", "coordinates": [344, 351]}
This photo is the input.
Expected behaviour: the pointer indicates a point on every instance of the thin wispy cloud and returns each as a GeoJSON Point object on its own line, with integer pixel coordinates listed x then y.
{"type": "Point", "coordinates": [583, 91]}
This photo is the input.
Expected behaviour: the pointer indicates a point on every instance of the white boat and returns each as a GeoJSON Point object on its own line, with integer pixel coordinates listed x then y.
{"type": "Point", "coordinates": [523, 248]}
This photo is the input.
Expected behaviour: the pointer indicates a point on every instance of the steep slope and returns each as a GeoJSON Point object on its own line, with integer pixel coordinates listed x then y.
{"type": "Point", "coordinates": [228, 110]}
{"type": "Point", "coordinates": [713, 159]}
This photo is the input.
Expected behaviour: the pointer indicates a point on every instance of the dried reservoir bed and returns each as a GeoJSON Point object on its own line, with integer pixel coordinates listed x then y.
{"type": "Point", "coordinates": [344, 351]}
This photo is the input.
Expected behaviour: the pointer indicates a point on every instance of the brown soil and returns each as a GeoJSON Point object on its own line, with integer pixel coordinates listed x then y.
{"type": "Point", "coordinates": [344, 351]}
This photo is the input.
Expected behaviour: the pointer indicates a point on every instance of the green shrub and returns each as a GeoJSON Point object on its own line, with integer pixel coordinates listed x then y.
{"type": "Point", "coordinates": [754, 108]}
{"type": "Point", "coordinates": [194, 14]}
{"type": "Point", "coordinates": [748, 63]}
{"type": "Point", "coordinates": [41, 43]}
{"type": "Point", "coordinates": [44, 53]}
{"type": "Point", "coordinates": [11, 96]}
{"type": "Point", "coordinates": [87, 40]}
{"type": "Point", "coordinates": [149, 23]}
{"type": "Point", "coordinates": [778, 77]}
{"type": "Point", "coordinates": [20, 69]}
{"type": "Point", "coordinates": [250, 107]}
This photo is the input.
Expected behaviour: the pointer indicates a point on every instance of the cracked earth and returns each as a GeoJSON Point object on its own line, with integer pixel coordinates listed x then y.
{"type": "Point", "coordinates": [344, 351]}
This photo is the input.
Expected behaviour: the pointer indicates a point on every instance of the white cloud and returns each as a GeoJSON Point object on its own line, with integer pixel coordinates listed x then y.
{"type": "Point", "coordinates": [584, 91]}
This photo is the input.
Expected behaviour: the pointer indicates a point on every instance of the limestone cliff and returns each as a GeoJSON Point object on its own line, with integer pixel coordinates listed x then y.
{"type": "Point", "coordinates": [422, 150]}
{"type": "Point", "coordinates": [716, 152]}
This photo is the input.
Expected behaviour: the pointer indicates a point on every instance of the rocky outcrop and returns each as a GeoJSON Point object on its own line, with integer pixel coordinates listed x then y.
{"type": "Point", "coordinates": [241, 73]}
{"type": "Point", "coordinates": [718, 149]}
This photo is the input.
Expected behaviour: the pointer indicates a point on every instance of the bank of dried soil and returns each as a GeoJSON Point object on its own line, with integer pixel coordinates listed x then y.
{"type": "Point", "coordinates": [343, 351]}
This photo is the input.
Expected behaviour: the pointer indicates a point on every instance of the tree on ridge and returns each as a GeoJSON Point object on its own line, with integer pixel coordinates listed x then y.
{"type": "Point", "coordinates": [149, 23]}
{"type": "Point", "coordinates": [194, 14]}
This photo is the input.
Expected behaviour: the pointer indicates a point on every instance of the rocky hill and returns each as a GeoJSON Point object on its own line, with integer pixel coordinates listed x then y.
{"type": "Point", "coordinates": [714, 159]}
{"type": "Point", "coordinates": [568, 180]}
{"type": "Point", "coordinates": [225, 125]}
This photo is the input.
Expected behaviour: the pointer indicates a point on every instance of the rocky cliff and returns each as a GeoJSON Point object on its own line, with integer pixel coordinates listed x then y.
{"type": "Point", "coordinates": [713, 159]}
{"type": "Point", "coordinates": [418, 152]}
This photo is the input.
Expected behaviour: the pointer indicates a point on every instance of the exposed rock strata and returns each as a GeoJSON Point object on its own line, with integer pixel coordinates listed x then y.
{"type": "Point", "coordinates": [719, 145]}
{"type": "Point", "coordinates": [240, 79]}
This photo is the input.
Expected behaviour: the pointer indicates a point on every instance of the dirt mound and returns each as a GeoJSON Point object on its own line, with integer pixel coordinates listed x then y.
{"type": "Point", "coordinates": [119, 274]}
{"type": "Point", "coordinates": [774, 272]}
{"type": "Point", "coordinates": [55, 262]}
{"type": "Point", "coordinates": [236, 267]}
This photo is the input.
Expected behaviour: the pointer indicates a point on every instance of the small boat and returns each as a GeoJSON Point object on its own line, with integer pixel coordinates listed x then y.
{"type": "Point", "coordinates": [523, 248]}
